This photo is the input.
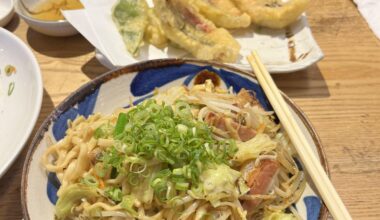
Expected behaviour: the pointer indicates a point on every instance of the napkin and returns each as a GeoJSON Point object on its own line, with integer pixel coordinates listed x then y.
{"type": "Point", "coordinates": [370, 10]}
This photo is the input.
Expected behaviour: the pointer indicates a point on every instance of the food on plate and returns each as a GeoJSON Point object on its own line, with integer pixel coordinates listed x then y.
{"type": "Point", "coordinates": [9, 70]}
{"type": "Point", "coordinates": [198, 26]}
{"type": "Point", "coordinates": [187, 28]}
{"type": "Point", "coordinates": [131, 19]}
{"type": "Point", "coordinates": [187, 153]}
{"type": "Point", "coordinates": [154, 33]}
{"type": "Point", "coordinates": [50, 10]}
{"type": "Point", "coordinates": [11, 88]}
{"type": "Point", "coordinates": [223, 13]}
{"type": "Point", "coordinates": [273, 13]}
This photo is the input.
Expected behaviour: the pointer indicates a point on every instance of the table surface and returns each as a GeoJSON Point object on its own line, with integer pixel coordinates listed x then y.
{"type": "Point", "coordinates": [340, 95]}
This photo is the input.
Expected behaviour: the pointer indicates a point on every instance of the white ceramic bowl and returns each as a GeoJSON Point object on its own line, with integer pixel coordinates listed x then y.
{"type": "Point", "coordinates": [19, 110]}
{"type": "Point", "coordinates": [61, 28]}
{"type": "Point", "coordinates": [6, 12]}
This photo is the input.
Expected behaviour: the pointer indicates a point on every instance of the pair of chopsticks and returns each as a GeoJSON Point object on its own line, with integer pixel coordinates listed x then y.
{"type": "Point", "coordinates": [304, 150]}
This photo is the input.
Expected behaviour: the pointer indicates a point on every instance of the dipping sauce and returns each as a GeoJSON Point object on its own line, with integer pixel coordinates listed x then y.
{"type": "Point", "coordinates": [205, 75]}
{"type": "Point", "coordinates": [50, 10]}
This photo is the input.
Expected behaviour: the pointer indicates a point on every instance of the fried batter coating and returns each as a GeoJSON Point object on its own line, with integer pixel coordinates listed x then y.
{"type": "Point", "coordinates": [131, 20]}
{"type": "Point", "coordinates": [223, 13]}
{"type": "Point", "coordinates": [186, 27]}
{"type": "Point", "coordinates": [273, 13]}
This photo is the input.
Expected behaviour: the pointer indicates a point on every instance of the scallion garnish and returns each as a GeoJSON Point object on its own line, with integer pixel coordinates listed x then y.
{"type": "Point", "coordinates": [90, 180]}
{"type": "Point", "coordinates": [120, 124]}
{"type": "Point", "coordinates": [183, 146]}
{"type": "Point", "coordinates": [11, 87]}
{"type": "Point", "coordinates": [114, 193]}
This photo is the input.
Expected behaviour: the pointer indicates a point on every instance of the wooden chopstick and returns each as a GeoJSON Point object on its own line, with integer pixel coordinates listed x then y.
{"type": "Point", "coordinates": [303, 148]}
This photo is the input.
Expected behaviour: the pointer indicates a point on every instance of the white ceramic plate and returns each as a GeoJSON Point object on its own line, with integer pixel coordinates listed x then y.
{"type": "Point", "coordinates": [137, 82]}
{"type": "Point", "coordinates": [18, 110]}
{"type": "Point", "coordinates": [282, 51]}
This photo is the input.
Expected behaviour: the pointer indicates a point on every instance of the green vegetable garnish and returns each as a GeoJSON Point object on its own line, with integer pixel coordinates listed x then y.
{"type": "Point", "coordinates": [113, 158]}
{"type": "Point", "coordinates": [114, 193]}
{"type": "Point", "coordinates": [11, 87]}
{"type": "Point", "coordinates": [121, 122]}
{"type": "Point", "coordinates": [90, 180]}
{"type": "Point", "coordinates": [183, 146]}
{"type": "Point", "coordinates": [103, 131]}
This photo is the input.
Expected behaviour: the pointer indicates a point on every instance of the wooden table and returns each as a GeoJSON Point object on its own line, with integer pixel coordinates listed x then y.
{"type": "Point", "coordinates": [341, 96]}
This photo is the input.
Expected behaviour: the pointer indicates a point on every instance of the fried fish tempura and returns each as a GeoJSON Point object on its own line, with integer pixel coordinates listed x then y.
{"type": "Point", "coordinates": [184, 26]}
{"type": "Point", "coordinates": [154, 33]}
{"type": "Point", "coordinates": [273, 13]}
{"type": "Point", "coordinates": [223, 13]}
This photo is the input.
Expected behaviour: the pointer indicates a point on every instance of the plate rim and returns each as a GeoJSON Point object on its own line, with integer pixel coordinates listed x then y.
{"type": "Point", "coordinates": [93, 84]}
{"type": "Point", "coordinates": [39, 90]}
{"type": "Point", "coordinates": [273, 69]}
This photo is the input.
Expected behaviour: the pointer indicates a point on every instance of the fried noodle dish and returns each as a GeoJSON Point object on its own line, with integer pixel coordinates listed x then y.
{"type": "Point", "coordinates": [187, 153]}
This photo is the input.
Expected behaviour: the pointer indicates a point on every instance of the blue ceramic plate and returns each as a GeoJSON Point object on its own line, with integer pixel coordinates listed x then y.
{"type": "Point", "coordinates": [137, 82]}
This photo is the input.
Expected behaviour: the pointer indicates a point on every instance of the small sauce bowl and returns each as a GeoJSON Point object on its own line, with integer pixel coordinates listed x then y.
{"type": "Point", "coordinates": [60, 28]}
{"type": "Point", "coordinates": [6, 12]}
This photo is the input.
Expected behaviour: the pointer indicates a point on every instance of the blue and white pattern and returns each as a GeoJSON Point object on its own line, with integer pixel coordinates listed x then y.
{"type": "Point", "coordinates": [120, 90]}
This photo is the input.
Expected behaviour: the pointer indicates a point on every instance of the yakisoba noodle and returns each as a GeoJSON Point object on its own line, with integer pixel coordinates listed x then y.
{"type": "Point", "coordinates": [187, 153]}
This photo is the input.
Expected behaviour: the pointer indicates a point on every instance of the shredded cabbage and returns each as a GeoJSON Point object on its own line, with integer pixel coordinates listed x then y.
{"type": "Point", "coordinates": [278, 215]}
{"type": "Point", "coordinates": [70, 196]}
{"type": "Point", "coordinates": [251, 149]}
{"type": "Point", "coordinates": [219, 182]}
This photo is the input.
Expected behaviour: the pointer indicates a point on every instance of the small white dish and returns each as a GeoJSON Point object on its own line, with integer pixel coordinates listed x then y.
{"type": "Point", "coordinates": [6, 12]}
{"type": "Point", "coordinates": [20, 106]}
{"type": "Point", "coordinates": [61, 28]}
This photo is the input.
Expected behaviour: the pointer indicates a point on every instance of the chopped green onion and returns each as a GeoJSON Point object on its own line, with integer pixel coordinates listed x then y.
{"type": "Point", "coordinates": [163, 173]}
{"type": "Point", "coordinates": [114, 193]}
{"type": "Point", "coordinates": [113, 158]}
{"type": "Point", "coordinates": [133, 179]}
{"type": "Point", "coordinates": [137, 168]}
{"type": "Point", "coordinates": [196, 191]}
{"type": "Point", "coordinates": [158, 183]}
{"type": "Point", "coordinates": [141, 116]}
{"type": "Point", "coordinates": [178, 171]}
{"type": "Point", "coordinates": [183, 109]}
{"type": "Point", "coordinates": [182, 186]}
{"type": "Point", "coordinates": [103, 131]}
{"type": "Point", "coordinates": [152, 134]}
{"type": "Point", "coordinates": [160, 187]}
{"type": "Point", "coordinates": [120, 124]}
{"type": "Point", "coordinates": [11, 87]}
{"type": "Point", "coordinates": [90, 180]}
{"type": "Point", "coordinates": [182, 128]}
